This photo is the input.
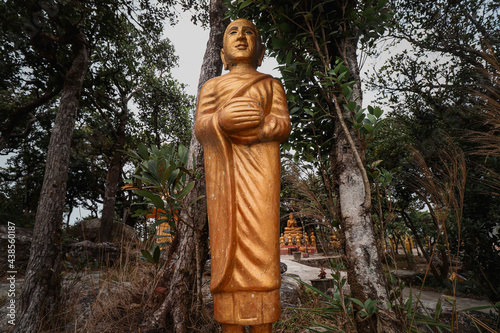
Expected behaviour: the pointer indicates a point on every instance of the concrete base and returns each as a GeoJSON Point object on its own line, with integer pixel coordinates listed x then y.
{"type": "Point", "coordinates": [289, 249]}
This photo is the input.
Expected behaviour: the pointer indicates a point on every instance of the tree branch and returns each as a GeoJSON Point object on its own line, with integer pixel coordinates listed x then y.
{"type": "Point", "coordinates": [17, 115]}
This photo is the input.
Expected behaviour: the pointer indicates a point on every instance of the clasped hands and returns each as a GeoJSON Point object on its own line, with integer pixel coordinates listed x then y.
{"type": "Point", "coordinates": [243, 118]}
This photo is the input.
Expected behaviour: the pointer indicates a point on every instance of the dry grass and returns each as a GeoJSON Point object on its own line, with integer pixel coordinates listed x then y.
{"type": "Point", "coordinates": [126, 295]}
{"type": "Point", "coordinates": [441, 186]}
{"type": "Point", "coordinates": [116, 298]}
{"type": "Point", "coordinates": [296, 319]}
{"type": "Point", "coordinates": [111, 299]}
{"type": "Point", "coordinates": [119, 298]}
{"type": "Point", "coordinates": [488, 143]}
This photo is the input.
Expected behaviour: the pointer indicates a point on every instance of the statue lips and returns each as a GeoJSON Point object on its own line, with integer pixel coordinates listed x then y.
{"type": "Point", "coordinates": [242, 46]}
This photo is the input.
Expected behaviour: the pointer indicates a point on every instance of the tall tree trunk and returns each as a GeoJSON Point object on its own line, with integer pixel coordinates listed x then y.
{"type": "Point", "coordinates": [40, 294]}
{"type": "Point", "coordinates": [189, 250]}
{"type": "Point", "coordinates": [113, 177]}
{"type": "Point", "coordinates": [365, 273]}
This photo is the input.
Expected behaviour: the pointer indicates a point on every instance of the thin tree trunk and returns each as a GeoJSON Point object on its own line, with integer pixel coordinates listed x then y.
{"type": "Point", "coordinates": [113, 178]}
{"type": "Point", "coordinates": [444, 266]}
{"type": "Point", "coordinates": [409, 264]}
{"type": "Point", "coordinates": [68, 219]}
{"type": "Point", "coordinates": [409, 224]}
{"type": "Point", "coordinates": [40, 294]}
{"type": "Point", "coordinates": [365, 273]}
{"type": "Point", "coordinates": [189, 250]}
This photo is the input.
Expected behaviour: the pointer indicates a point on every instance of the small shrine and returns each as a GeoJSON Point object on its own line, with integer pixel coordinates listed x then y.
{"type": "Point", "coordinates": [294, 239]}
{"type": "Point", "coordinates": [163, 231]}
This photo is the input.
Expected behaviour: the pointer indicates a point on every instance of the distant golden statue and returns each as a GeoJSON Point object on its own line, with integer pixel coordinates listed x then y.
{"type": "Point", "coordinates": [291, 223]}
{"type": "Point", "coordinates": [241, 119]}
{"type": "Point", "coordinates": [313, 239]}
{"type": "Point", "coordinates": [306, 237]}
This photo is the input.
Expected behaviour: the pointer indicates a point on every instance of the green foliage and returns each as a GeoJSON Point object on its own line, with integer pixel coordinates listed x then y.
{"type": "Point", "coordinates": [339, 310]}
{"type": "Point", "coordinates": [437, 57]}
{"type": "Point", "coordinates": [129, 61]}
{"type": "Point", "coordinates": [380, 175]}
{"type": "Point", "coordinates": [39, 36]}
{"type": "Point", "coordinates": [433, 321]}
{"type": "Point", "coordinates": [161, 179]}
{"type": "Point", "coordinates": [135, 67]}
{"type": "Point", "coordinates": [152, 257]}
{"type": "Point", "coordinates": [306, 39]}
{"type": "Point", "coordinates": [21, 176]}
{"type": "Point", "coordinates": [304, 191]}
{"type": "Point", "coordinates": [368, 308]}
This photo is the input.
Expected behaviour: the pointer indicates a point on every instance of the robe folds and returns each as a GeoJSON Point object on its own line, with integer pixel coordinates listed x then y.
{"type": "Point", "coordinates": [242, 174]}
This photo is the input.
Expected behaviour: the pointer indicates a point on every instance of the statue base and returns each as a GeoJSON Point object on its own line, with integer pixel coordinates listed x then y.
{"type": "Point", "coordinates": [247, 307]}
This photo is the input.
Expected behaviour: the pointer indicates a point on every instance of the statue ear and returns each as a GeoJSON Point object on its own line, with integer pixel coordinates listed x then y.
{"type": "Point", "coordinates": [223, 58]}
{"type": "Point", "coordinates": [261, 55]}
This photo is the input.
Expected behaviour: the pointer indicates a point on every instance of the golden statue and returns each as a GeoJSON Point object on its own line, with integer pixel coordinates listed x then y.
{"type": "Point", "coordinates": [292, 231]}
{"type": "Point", "coordinates": [282, 240]}
{"type": "Point", "coordinates": [242, 117]}
{"type": "Point", "coordinates": [334, 241]}
{"type": "Point", "coordinates": [313, 239]}
{"type": "Point", "coordinates": [291, 223]}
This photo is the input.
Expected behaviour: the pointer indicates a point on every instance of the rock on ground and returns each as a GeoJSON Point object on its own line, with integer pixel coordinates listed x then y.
{"type": "Point", "coordinates": [289, 292]}
{"type": "Point", "coordinates": [88, 252]}
{"type": "Point", "coordinates": [23, 237]}
{"type": "Point", "coordinates": [90, 231]}
{"type": "Point", "coordinates": [283, 267]}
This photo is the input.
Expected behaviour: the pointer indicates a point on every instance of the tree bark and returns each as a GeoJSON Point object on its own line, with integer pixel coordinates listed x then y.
{"type": "Point", "coordinates": [182, 304]}
{"type": "Point", "coordinates": [113, 177]}
{"type": "Point", "coordinates": [365, 273]}
{"type": "Point", "coordinates": [40, 294]}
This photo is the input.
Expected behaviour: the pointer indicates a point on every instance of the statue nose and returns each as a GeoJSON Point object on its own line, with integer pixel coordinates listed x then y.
{"type": "Point", "coordinates": [241, 35]}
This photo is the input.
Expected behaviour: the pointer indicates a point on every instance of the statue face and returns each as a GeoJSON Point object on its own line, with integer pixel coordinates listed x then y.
{"type": "Point", "coordinates": [242, 44]}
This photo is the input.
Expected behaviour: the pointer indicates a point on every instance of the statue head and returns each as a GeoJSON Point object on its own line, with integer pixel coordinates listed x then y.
{"type": "Point", "coordinates": [242, 45]}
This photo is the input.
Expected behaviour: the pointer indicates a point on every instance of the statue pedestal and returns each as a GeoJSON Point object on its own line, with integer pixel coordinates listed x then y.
{"type": "Point", "coordinates": [289, 249]}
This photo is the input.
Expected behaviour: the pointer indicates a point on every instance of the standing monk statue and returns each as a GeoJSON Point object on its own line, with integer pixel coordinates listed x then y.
{"type": "Point", "coordinates": [241, 119]}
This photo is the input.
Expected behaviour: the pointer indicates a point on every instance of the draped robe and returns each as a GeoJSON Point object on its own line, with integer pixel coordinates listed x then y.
{"type": "Point", "coordinates": [243, 184]}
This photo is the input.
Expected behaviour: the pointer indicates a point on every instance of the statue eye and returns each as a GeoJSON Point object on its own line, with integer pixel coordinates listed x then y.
{"type": "Point", "coordinates": [249, 32]}
{"type": "Point", "coordinates": [232, 32]}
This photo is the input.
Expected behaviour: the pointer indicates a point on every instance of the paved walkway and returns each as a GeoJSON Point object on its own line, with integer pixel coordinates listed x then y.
{"type": "Point", "coordinates": [428, 298]}
{"type": "Point", "coordinates": [305, 273]}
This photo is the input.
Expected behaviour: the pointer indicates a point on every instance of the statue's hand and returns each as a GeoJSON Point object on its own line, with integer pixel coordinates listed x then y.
{"type": "Point", "coordinates": [242, 116]}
